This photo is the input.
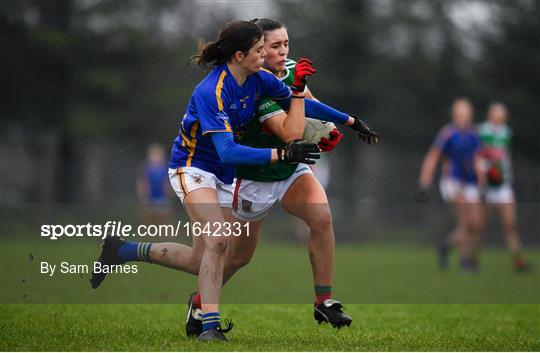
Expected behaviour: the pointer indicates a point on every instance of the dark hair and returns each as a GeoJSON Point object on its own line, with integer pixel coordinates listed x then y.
{"type": "Point", "coordinates": [235, 36]}
{"type": "Point", "coordinates": [268, 24]}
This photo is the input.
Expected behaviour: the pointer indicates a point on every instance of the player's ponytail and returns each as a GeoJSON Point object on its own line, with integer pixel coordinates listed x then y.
{"type": "Point", "coordinates": [235, 36]}
{"type": "Point", "coordinates": [209, 54]}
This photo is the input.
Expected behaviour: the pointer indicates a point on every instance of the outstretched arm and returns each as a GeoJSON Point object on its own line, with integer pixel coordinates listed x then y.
{"type": "Point", "coordinates": [232, 153]}
{"type": "Point", "coordinates": [321, 111]}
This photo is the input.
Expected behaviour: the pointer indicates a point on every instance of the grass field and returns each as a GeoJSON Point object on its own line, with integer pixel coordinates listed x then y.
{"type": "Point", "coordinates": [398, 298]}
{"type": "Point", "coordinates": [275, 327]}
{"type": "Point", "coordinates": [278, 274]}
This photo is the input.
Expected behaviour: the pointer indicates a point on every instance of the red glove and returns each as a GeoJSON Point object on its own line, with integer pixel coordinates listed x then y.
{"type": "Point", "coordinates": [327, 145]}
{"type": "Point", "coordinates": [494, 175]}
{"type": "Point", "coordinates": [302, 69]}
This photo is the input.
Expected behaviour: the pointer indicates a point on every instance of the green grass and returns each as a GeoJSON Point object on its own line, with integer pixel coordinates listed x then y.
{"type": "Point", "coordinates": [398, 298]}
{"type": "Point", "coordinates": [364, 274]}
{"type": "Point", "coordinates": [272, 328]}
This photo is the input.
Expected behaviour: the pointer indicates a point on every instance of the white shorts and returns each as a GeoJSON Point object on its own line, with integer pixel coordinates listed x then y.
{"type": "Point", "coordinates": [253, 200]}
{"type": "Point", "coordinates": [500, 194]}
{"type": "Point", "coordinates": [451, 188]}
{"type": "Point", "coordinates": [186, 179]}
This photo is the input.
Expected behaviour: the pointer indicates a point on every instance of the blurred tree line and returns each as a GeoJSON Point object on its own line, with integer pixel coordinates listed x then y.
{"type": "Point", "coordinates": [114, 71]}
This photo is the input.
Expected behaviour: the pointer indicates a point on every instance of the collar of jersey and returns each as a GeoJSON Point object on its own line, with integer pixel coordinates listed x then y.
{"type": "Point", "coordinates": [284, 76]}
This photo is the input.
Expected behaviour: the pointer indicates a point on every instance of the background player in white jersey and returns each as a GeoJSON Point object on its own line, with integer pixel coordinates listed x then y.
{"type": "Point", "coordinates": [498, 193]}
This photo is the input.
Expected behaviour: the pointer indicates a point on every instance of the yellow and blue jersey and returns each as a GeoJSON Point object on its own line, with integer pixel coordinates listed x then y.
{"type": "Point", "coordinates": [219, 104]}
{"type": "Point", "coordinates": [459, 146]}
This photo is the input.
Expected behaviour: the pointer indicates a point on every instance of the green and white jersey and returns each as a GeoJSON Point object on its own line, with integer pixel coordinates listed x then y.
{"type": "Point", "coordinates": [255, 135]}
{"type": "Point", "coordinates": [496, 147]}
{"type": "Point", "coordinates": [267, 107]}
{"type": "Point", "coordinates": [495, 136]}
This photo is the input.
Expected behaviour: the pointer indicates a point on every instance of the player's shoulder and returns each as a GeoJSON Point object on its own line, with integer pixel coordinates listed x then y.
{"type": "Point", "coordinates": [483, 127]}
{"type": "Point", "coordinates": [445, 135]}
{"type": "Point", "coordinates": [265, 74]}
{"type": "Point", "coordinates": [447, 130]}
{"type": "Point", "coordinates": [266, 77]}
{"type": "Point", "coordinates": [218, 75]}
{"type": "Point", "coordinates": [215, 83]}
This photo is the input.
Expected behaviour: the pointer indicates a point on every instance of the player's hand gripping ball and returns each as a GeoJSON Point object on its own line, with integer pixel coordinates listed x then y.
{"type": "Point", "coordinates": [315, 130]}
{"type": "Point", "coordinates": [328, 144]}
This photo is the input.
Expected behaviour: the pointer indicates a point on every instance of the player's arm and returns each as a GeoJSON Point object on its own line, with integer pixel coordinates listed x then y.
{"type": "Point", "coordinates": [479, 169]}
{"type": "Point", "coordinates": [288, 126]}
{"type": "Point", "coordinates": [423, 194]}
{"type": "Point", "coordinates": [274, 89]}
{"type": "Point", "coordinates": [428, 167]}
{"type": "Point", "coordinates": [214, 121]}
{"type": "Point", "coordinates": [317, 110]}
{"type": "Point", "coordinates": [429, 164]}
{"type": "Point", "coordinates": [479, 162]}
{"type": "Point", "coordinates": [326, 144]}
{"type": "Point", "coordinates": [310, 95]}
{"type": "Point", "coordinates": [232, 153]}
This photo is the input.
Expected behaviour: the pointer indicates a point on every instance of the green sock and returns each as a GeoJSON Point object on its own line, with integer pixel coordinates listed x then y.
{"type": "Point", "coordinates": [322, 293]}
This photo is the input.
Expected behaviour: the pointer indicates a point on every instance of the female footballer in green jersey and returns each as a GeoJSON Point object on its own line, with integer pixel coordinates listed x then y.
{"type": "Point", "coordinates": [495, 136]}
{"type": "Point", "coordinates": [258, 188]}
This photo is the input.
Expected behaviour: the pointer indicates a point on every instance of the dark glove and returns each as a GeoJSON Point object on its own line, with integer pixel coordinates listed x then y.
{"type": "Point", "coordinates": [326, 145]}
{"type": "Point", "coordinates": [423, 195]}
{"type": "Point", "coordinates": [364, 132]}
{"type": "Point", "coordinates": [302, 69]}
{"type": "Point", "coordinates": [298, 151]}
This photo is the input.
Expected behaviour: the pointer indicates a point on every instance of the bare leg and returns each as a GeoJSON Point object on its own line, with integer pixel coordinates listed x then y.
{"type": "Point", "coordinates": [507, 214]}
{"type": "Point", "coordinates": [307, 200]}
{"type": "Point", "coordinates": [188, 259]}
{"type": "Point", "coordinates": [474, 221]}
{"type": "Point", "coordinates": [203, 206]}
{"type": "Point", "coordinates": [459, 236]}
{"type": "Point", "coordinates": [241, 249]}
{"type": "Point", "coordinates": [178, 256]}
